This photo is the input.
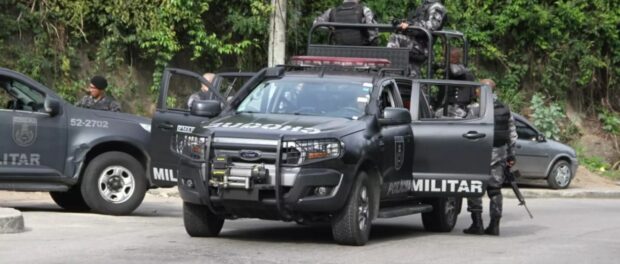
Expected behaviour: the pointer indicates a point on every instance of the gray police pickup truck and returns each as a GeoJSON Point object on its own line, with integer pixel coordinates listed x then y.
{"type": "Point", "coordinates": [327, 143]}
{"type": "Point", "coordinates": [87, 159]}
{"type": "Point", "coordinates": [330, 138]}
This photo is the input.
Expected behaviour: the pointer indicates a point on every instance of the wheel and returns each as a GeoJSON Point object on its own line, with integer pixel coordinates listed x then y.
{"type": "Point", "coordinates": [71, 200]}
{"type": "Point", "coordinates": [199, 221]}
{"type": "Point", "coordinates": [560, 175]}
{"type": "Point", "coordinates": [444, 214]}
{"type": "Point", "coordinates": [114, 183]}
{"type": "Point", "coordinates": [352, 225]}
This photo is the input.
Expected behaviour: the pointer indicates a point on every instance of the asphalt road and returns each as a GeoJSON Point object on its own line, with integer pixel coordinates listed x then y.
{"type": "Point", "coordinates": [563, 231]}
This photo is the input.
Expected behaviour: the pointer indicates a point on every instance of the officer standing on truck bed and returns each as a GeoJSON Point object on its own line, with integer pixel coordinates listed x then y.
{"type": "Point", "coordinates": [504, 140]}
{"type": "Point", "coordinates": [352, 12]}
{"type": "Point", "coordinates": [97, 98]}
{"type": "Point", "coordinates": [431, 15]}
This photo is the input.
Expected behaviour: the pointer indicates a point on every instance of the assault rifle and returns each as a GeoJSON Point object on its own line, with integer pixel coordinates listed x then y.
{"type": "Point", "coordinates": [512, 179]}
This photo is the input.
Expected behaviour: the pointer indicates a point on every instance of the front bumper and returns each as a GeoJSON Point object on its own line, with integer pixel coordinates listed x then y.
{"type": "Point", "coordinates": [261, 200]}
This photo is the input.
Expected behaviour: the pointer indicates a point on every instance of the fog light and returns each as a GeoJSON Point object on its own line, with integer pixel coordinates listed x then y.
{"type": "Point", "coordinates": [322, 191]}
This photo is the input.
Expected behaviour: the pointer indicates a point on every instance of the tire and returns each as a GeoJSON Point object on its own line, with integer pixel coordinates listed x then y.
{"type": "Point", "coordinates": [560, 175]}
{"type": "Point", "coordinates": [444, 215]}
{"type": "Point", "coordinates": [71, 200]}
{"type": "Point", "coordinates": [114, 183]}
{"type": "Point", "coordinates": [352, 225]}
{"type": "Point", "coordinates": [199, 221]}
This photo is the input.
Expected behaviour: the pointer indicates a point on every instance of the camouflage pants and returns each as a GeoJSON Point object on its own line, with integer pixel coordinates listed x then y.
{"type": "Point", "coordinates": [474, 204]}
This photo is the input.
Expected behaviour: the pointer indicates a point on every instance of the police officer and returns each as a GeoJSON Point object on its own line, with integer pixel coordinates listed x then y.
{"type": "Point", "coordinates": [458, 71]}
{"type": "Point", "coordinates": [352, 12]}
{"type": "Point", "coordinates": [505, 137]}
{"type": "Point", "coordinates": [459, 98]}
{"type": "Point", "coordinates": [431, 15]}
{"type": "Point", "coordinates": [97, 98]}
{"type": "Point", "coordinates": [204, 93]}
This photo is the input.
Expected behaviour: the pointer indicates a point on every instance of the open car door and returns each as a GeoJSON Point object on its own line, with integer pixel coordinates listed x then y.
{"type": "Point", "coordinates": [452, 141]}
{"type": "Point", "coordinates": [173, 115]}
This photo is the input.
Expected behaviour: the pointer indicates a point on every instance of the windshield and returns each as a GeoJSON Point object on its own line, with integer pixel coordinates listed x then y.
{"type": "Point", "coordinates": [309, 96]}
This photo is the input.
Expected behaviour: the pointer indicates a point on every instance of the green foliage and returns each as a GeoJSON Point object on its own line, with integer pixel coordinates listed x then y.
{"type": "Point", "coordinates": [64, 41]}
{"type": "Point", "coordinates": [568, 50]}
{"type": "Point", "coordinates": [610, 121]}
{"type": "Point", "coordinates": [557, 48]}
{"type": "Point", "coordinates": [595, 164]}
{"type": "Point", "coordinates": [598, 164]}
{"type": "Point", "coordinates": [546, 118]}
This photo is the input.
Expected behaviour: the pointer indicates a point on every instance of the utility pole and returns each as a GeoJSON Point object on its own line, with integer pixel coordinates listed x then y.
{"type": "Point", "coordinates": [277, 33]}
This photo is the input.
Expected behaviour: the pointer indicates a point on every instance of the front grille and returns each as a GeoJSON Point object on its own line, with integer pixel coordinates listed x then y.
{"type": "Point", "coordinates": [234, 148]}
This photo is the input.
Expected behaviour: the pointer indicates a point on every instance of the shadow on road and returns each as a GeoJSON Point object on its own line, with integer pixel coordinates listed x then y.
{"type": "Point", "coordinates": [320, 233]}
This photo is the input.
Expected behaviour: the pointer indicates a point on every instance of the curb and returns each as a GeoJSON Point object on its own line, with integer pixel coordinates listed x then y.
{"type": "Point", "coordinates": [570, 193]}
{"type": "Point", "coordinates": [11, 221]}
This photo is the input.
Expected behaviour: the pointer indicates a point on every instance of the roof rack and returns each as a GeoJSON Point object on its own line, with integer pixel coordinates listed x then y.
{"type": "Point", "coordinates": [397, 56]}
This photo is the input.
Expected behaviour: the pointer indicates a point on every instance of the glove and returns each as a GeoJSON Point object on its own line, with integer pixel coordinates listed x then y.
{"type": "Point", "coordinates": [396, 22]}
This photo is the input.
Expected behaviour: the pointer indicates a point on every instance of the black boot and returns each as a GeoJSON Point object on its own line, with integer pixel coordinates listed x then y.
{"type": "Point", "coordinates": [493, 228]}
{"type": "Point", "coordinates": [476, 228]}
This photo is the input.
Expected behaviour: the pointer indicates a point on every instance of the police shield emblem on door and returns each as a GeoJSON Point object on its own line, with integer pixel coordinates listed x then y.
{"type": "Point", "coordinates": [24, 131]}
{"type": "Point", "coordinates": [399, 152]}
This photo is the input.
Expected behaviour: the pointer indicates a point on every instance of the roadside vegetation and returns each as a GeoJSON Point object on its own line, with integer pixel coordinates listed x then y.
{"type": "Point", "coordinates": [548, 57]}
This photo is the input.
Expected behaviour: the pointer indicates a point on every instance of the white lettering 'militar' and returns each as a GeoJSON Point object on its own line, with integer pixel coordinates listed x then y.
{"type": "Point", "coordinates": [436, 186]}
{"type": "Point", "coordinates": [164, 174]}
{"type": "Point", "coordinates": [20, 159]}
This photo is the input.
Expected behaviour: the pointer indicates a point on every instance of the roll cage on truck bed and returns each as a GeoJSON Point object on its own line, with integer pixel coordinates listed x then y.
{"type": "Point", "coordinates": [361, 142]}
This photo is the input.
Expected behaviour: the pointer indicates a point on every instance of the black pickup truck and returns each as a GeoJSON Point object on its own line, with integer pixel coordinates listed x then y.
{"type": "Point", "coordinates": [327, 139]}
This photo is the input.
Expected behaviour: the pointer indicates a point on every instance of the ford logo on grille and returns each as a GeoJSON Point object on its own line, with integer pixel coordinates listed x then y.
{"type": "Point", "coordinates": [250, 154]}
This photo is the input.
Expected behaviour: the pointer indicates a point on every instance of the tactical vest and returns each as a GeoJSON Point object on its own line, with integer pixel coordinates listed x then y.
{"type": "Point", "coordinates": [502, 124]}
{"type": "Point", "coordinates": [352, 13]}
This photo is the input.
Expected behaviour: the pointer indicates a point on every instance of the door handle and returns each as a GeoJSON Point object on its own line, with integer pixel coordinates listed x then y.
{"type": "Point", "coordinates": [474, 135]}
{"type": "Point", "coordinates": [518, 146]}
{"type": "Point", "coordinates": [165, 126]}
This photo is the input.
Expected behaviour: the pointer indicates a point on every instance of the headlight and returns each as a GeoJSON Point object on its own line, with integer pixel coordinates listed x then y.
{"type": "Point", "coordinates": [190, 146]}
{"type": "Point", "coordinates": [303, 151]}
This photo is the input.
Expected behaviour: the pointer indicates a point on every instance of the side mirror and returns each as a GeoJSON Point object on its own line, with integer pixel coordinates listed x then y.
{"type": "Point", "coordinates": [206, 108]}
{"type": "Point", "coordinates": [51, 106]}
{"type": "Point", "coordinates": [393, 116]}
{"type": "Point", "coordinates": [540, 138]}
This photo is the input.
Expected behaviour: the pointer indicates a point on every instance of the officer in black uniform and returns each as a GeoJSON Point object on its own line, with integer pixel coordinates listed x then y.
{"type": "Point", "coordinates": [204, 93]}
{"type": "Point", "coordinates": [504, 140]}
{"type": "Point", "coordinates": [352, 12]}
{"type": "Point", "coordinates": [97, 98]}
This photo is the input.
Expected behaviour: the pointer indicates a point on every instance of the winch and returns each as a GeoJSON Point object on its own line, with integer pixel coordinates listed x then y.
{"type": "Point", "coordinates": [228, 174]}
